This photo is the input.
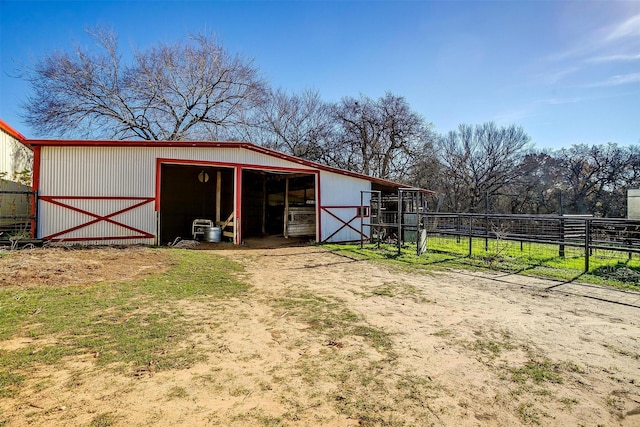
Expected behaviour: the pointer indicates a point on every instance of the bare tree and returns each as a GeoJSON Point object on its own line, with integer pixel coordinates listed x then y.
{"type": "Point", "coordinates": [296, 124]}
{"type": "Point", "coordinates": [536, 189]}
{"type": "Point", "coordinates": [479, 161]}
{"type": "Point", "coordinates": [595, 179]}
{"type": "Point", "coordinates": [380, 138]}
{"type": "Point", "coordinates": [170, 92]}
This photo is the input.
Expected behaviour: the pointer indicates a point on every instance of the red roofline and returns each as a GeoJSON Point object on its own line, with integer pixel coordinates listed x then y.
{"type": "Point", "coordinates": [11, 131]}
{"type": "Point", "coordinates": [31, 143]}
{"type": "Point", "coordinates": [205, 144]}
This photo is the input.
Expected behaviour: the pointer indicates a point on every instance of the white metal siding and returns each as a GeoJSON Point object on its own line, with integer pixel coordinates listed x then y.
{"type": "Point", "coordinates": [131, 172]}
{"type": "Point", "coordinates": [341, 190]}
{"type": "Point", "coordinates": [14, 157]}
{"type": "Point", "coordinates": [633, 204]}
{"type": "Point", "coordinates": [340, 195]}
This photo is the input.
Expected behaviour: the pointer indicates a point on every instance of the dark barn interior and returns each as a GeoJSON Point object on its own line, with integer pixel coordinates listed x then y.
{"type": "Point", "coordinates": [265, 201]}
{"type": "Point", "coordinates": [273, 203]}
{"type": "Point", "coordinates": [188, 193]}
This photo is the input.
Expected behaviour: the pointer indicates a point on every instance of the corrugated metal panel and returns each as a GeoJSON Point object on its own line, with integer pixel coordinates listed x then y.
{"type": "Point", "coordinates": [331, 225]}
{"type": "Point", "coordinates": [96, 171]}
{"type": "Point", "coordinates": [129, 171]}
{"type": "Point", "coordinates": [340, 196]}
{"type": "Point", "coordinates": [633, 204]}
{"type": "Point", "coordinates": [341, 190]}
{"type": "Point", "coordinates": [116, 172]}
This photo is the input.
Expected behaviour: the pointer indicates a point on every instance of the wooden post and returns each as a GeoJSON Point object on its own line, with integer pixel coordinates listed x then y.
{"type": "Point", "coordinates": [561, 227]}
{"type": "Point", "coordinates": [286, 208]}
{"type": "Point", "coordinates": [399, 222]}
{"type": "Point", "coordinates": [561, 251]}
{"type": "Point", "coordinates": [264, 205]}
{"type": "Point", "coordinates": [379, 212]}
{"type": "Point", "coordinates": [218, 195]}
{"type": "Point", "coordinates": [361, 220]}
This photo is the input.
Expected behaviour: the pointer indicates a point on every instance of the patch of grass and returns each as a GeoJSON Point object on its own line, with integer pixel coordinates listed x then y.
{"type": "Point", "coordinates": [358, 380]}
{"type": "Point", "coordinates": [528, 413]}
{"type": "Point", "coordinates": [10, 380]}
{"type": "Point", "coordinates": [257, 417]}
{"type": "Point", "coordinates": [487, 347]}
{"type": "Point", "coordinates": [615, 402]}
{"type": "Point", "coordinates": [532, 259]}
{"type": "Point", "coordinates": [370, 404]}
{"type": "Point", "coordinates": [103, 420]}
{"type": "Point", "coordinates": [621, 272]}
{"type": "Point", "coordinates": [131, 323]}
{"type": "Point", "coordinates": [385, 290]}
{"type": "Point", "coordinates": [572, 367]}
{"type": "Point", "coordinates": [379, 339]}
{"type": "Point", "coordinates": [442, 333]}
{"type": "Point", "coordinates": [330, 317]}
{"type": "Point", "coordinates": [569, 402]}
{"type": "Point", "coordinates": [396, 290]}
{"type": "Point", "coordinates": [177, 392]}
{"type": "Point", "coordinates": [538, 372]}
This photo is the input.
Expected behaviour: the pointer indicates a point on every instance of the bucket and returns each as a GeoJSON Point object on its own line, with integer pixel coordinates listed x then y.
{"type": "Point", "coordinates": [213, 234]}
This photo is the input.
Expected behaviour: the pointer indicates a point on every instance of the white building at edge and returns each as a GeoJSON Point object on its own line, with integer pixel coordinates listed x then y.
{"type": "Point", "coordinates": [150, 192]}
{"type": "Point", "coordinates": [633, 204]}
{"type": "Point", "coordinates": [15, 161]}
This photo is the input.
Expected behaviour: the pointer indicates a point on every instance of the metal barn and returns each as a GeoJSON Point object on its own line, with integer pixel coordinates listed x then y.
{"type": "Point", "coordinates": [144, 192]}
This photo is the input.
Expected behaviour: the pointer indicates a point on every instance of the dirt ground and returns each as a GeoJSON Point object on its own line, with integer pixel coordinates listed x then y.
{"type": "Point", "coordinates": [464, 349]}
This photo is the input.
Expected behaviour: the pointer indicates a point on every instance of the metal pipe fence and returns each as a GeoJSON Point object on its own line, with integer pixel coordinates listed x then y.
{"type": "Point", "coordinates": [592, 242]}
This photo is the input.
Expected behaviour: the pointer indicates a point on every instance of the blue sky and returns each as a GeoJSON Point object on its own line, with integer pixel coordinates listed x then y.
{"type": "Point", "coordinates": [568, 72]}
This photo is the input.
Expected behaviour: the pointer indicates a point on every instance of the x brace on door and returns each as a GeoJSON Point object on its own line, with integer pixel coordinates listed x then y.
{"type": "Point", "coordinates": [107, 218]}
{"type": "Point", "coordinates": [344, 223]}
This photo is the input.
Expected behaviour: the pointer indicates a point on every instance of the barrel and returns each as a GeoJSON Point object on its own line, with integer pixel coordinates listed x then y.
{"type": "Point", "coordinates": [213, 234]}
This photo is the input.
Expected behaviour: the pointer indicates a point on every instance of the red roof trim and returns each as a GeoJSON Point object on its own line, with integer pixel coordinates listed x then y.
{"type": "Point", "coordinates": [11, 131]}
{"type": "Point", "coordinates": [214, 144]}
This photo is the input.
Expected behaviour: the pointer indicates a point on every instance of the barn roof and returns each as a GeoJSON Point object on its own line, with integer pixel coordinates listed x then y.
{"type": "Point", "coordinates": [31, 143]}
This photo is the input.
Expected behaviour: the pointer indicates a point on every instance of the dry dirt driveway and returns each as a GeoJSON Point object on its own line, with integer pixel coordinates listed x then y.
{"type": "Point", "coordinates": [323, 339]}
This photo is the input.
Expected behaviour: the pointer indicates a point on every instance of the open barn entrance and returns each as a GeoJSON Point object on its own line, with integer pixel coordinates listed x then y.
{"type": "Point", "coordinates": [278, 204]}
{"type": "Point", "coordinates": [189, 193]}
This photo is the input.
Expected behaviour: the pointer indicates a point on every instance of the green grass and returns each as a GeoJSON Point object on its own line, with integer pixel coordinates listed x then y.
{"type": "Point", "coordinates": [541, 260]}
{"type": "Point", "coordinates": [330, 317]}
{"type": "Point", "coordinates": [130, 323]}
{"type": "Point", "coordinates": [103, 420]}
{"type": "Point", "coordinates": [538, 372]}
{"type": "Point", "coordinates": [528, 413]}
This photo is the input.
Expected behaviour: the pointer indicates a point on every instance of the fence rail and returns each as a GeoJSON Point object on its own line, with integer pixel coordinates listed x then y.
{"type": "Point", "coordinates": [586, 233]}
{"type": "Point", "coordinates": [17, 213]}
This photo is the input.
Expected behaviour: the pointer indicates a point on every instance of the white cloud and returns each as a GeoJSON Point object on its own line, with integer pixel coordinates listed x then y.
{"type": "Point", "coordinates": [630, 27]}
{"type": "Point", "coordinates": [617, 43]}
{"type": "Point", "coordinates": [617, 80]}
{"type": "Point", "coordinates": [616, 38]}
{"type": "Point", "coordinates": [615, 58]}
